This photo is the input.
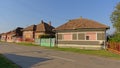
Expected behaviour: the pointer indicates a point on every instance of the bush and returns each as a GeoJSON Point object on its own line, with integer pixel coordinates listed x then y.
{"type": "Point", "coordinates": [47, 36]}
{"type": "Point", "coordinates": [115, 38]}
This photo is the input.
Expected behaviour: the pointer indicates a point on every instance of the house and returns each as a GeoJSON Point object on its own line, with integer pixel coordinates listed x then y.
{"type": "Point", "coordinates": [33, 32]}
{"type": "Point", "coordinates": [44, 29]}
{"type": "Point", "coordinates": [81, 33]}
{"type": "Point", "coordinates": [9, 36]}
{"type": "Point", "coordinates": [3, 37]}
{"type": "Point", "coordinates": [14, 35]}
{"type": "Point", "coordinates": [29, 33]}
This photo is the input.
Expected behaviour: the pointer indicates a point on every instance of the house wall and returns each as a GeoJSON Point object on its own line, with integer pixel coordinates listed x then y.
{"type": "Point", "coordinates": [83, 39]}
{"type": "Point", "coordinates": [3, 37]}
{"type": "Point", "coordinates": [9, 38]}
{"type": "Point", "coordinates": [28, 35]}
{"type": "Point", "coordinates": [37, 34]}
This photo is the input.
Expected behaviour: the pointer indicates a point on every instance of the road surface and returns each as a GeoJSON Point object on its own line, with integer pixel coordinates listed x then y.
{"type": "Point", "coordinates": [37, 57]}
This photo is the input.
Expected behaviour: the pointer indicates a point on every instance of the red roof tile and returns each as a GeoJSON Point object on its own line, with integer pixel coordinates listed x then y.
{"type": "Point", "coordinates": [29, 28]}
{"type": "Point", "coordinates": [81, 23]}
{"type": "Point", "coordinates": [44, 27]}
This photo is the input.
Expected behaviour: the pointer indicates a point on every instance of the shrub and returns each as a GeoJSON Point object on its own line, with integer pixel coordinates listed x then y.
{"type": "Point", "coordinates": [115, 38]}
{"type": "Point", "coordinates": [47, 36]}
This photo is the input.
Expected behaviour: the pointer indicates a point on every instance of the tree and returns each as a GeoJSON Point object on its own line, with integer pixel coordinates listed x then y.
{"type": "Point", "coordinates": [115, 18]}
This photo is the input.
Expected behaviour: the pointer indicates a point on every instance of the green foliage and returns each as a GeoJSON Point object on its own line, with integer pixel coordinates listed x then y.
{"type": "Point", "coordinates": [27, 44]}
{"type": "Point", "coordinates": [115, 38]}
{"type": "Point", "coordinates": [115, 18]}
{"type": "Point", "coordinates": [47, 36]}
{"type": "Point", "coordinates": [5, 63]}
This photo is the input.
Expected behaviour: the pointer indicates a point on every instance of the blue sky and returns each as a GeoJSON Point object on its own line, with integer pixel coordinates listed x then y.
{"type": "Point", "coordinates": [21, 13]}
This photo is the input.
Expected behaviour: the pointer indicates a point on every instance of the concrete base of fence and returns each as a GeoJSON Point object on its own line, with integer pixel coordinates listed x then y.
{"type": "Point", "coordinates": [90, 47]}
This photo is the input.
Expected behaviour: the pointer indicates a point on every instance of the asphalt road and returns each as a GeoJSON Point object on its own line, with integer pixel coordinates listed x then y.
{"type": "Point", "coordinates": [37, 57]}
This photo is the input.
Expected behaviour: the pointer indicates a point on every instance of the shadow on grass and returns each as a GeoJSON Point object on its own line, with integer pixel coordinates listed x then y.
{"type": "Point", "coordinates": [25, 61]}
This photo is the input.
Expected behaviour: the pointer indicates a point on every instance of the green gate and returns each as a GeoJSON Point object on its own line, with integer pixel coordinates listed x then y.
{"type": "Point", "coordinates": [48, 42]}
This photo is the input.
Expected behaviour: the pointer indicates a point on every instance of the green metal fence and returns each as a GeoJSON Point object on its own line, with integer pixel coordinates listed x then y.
{"type": "Point", "coordinates": [48, 42]}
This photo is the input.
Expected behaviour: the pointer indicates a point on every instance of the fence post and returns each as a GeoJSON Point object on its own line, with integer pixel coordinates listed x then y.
{"type": "Point", "coordinates": [40, 41]}
{"type": "Point", "coordinates": [50, 42]}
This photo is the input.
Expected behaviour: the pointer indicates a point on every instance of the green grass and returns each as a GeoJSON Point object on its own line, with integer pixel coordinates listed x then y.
{"type": "Point", "coordinates": [101, 53]}
{"type": "Point", "coordinates": [5, 63]}
{"type": "Point", "coordinates": [27, 44]}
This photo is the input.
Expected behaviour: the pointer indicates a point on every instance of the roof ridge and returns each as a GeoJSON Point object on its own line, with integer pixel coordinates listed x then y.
{"type": "Point", "coordinates": [89, 20]}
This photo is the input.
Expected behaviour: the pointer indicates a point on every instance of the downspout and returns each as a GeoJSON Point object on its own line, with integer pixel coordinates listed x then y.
{"type": "Point", "coordinates": [105, 42]}
{"type": "Point", "coordinates": [104, 47]}
{"type": "Point", "coordinates": [56, 39]}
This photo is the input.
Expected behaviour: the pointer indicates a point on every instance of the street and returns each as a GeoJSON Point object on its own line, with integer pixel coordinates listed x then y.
{"type": "Point", "coordinates": [37, 57]}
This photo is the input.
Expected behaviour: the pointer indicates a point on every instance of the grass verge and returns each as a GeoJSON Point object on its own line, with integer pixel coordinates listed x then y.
{"type": "Point", "coordinates": [101, 53]}
{"type": "Point", "coordinates": [5, 63]}
{"type": "Point", "coordinates": [27, 44]}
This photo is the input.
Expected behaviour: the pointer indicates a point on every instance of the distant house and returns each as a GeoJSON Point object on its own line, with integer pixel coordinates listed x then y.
{"type": "Point", "coordinates": [3, 37]}
{"type": "Point", "coordinates": [14, 35]}
{"type": "Point", "coordinates": [9, 36]}
{"type": "Point", "coordinates": [33, 32]}
{"type": "Point", "coordinates": [81, 33]}
{"type": "Point", "coordinates": [29, 33]}
{"type": "Point", "coordinates": [44, 29]}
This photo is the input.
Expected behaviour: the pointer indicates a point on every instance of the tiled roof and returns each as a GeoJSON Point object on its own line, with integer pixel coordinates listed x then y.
{"type": "Point", "coordinates": [81, 23]}
{"type": "Point", "coordinates": [11, 32]}
{"type": "Point", "coordinates": [44, 27]}
{"type": "Point", "coordinates": [3, 34]}
{"type": "Point", "coordinates": [29, 28]}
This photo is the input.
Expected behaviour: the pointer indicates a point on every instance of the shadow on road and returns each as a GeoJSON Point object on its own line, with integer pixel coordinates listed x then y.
{"type": "Point", "coordinates": [25, 61]}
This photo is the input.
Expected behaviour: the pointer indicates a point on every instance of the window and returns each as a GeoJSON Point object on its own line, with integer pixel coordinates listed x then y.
{"type": "Point", "coordinates": [81, 36]}
{"type": "Point", "coordinates": [59, 36]}
{"type": "Point", "coordinates": [87, 38]}
{"type": "Point", "coordinates": [100, 36]}
{"type": "Point", "coordinates": [74, 37]}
